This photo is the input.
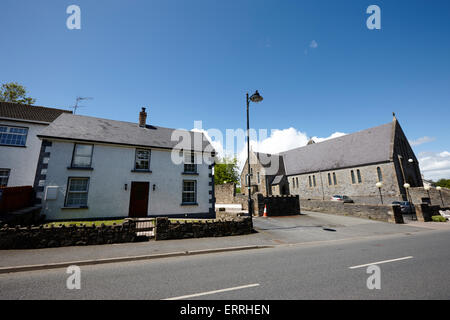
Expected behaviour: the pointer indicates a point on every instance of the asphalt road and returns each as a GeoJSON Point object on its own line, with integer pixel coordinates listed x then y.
{"type": "Point", "coordinates": [296, 271]}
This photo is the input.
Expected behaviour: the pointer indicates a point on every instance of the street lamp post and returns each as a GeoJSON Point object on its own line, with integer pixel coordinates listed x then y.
{"type": "Point", "coordinates": [407, 186]}
{"type": "Point", "coordinates": [438, 188]}
{"type": "Point", "coordinates": [379, 186]}
{"type": "Point", "coordinates": [254, 98]}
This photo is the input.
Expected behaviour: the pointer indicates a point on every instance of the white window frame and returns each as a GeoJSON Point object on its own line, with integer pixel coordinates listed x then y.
{"type": "Point", "coordinates": [69, 192]}
{"type": "Point", "coordinates": [189, 162]}
{"type": "Point", "coordinates": [74, 155]}
{"type": "Point", "coordinates": [7, 134]}
{"type": "Point", "coordinates": [148, 159]}
{"type": "Point", "coordinates": [4, 176]}
{"type": "Point", "coordinates": [194, 192]}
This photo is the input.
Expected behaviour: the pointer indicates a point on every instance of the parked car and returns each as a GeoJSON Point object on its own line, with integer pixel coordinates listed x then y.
{"type": "Point", "coordinates": [344, 199]}
{"type": "Point", "coordinates": [405, 206]}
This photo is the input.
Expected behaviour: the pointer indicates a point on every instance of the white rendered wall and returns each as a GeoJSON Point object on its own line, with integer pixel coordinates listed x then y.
{"type": "Point", "coordinates": [22, 161]}
{"type": "Point", "coordinates": [112, 166]}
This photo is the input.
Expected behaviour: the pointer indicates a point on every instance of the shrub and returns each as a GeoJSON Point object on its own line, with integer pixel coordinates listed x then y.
{"type": "Point", "coordinates": [438, 219]}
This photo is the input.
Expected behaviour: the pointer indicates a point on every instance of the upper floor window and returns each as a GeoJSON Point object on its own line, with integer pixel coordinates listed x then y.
{"type": "Point", "coordinates": [380, 174]}
{"type": "Point", "coordinates": [82, 155]}
{"type": "Point", "coordinates": [189, 162]}
{"type": "Point", "coordinates": [13, 136]}
{"type": "Point", "coordinates": [358, 173]}
{"type": "Point", "coordinates": [142, 161]}
{"type": "Point", "coordinates": [4, 177]}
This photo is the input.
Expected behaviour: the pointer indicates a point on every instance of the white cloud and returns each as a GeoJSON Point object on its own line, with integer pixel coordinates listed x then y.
{"type": "Point", "coordinates": [313, 44]}
{"type": "Point", "coordinates": [435, 165]}
{"type": "Point", "coordinates": [421, 140]}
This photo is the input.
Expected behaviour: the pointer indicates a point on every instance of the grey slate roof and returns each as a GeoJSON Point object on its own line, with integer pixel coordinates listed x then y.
{"type": "Point", "coordinates": [364, 147]}
{"type": "Point", "coordinates": [90, 129]}
{"type": "Point", "coordinates": [28, 112]}
{"type": "Point", "coordinates": [277, 180]}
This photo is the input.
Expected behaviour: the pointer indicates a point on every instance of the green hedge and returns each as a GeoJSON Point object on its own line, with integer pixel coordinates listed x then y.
{"type": "Point", "coordinates": [438, 219]}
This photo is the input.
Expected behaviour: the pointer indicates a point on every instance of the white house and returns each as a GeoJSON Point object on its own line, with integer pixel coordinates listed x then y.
{"type": "Point", "coordinates": [100, 168]}
{"type": "Point", "coordinates": [19, 145]}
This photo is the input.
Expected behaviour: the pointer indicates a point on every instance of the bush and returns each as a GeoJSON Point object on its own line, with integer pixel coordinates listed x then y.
{"type": "Point", "coordinates": [438, 219]}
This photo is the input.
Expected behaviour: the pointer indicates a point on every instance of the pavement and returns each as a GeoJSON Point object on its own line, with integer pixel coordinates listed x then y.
{"type": "Point", "coordinates": [310, 227]}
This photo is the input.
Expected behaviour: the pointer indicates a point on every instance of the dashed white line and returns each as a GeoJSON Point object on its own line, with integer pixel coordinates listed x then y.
{"type": "Point", "coordinates": [380, 262]}
{"type": "Point", "coordinates": [213, 292]}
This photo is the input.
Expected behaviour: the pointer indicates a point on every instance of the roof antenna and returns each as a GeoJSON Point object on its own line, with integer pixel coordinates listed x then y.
{"type": "Point", "coordinates": [76, 106]}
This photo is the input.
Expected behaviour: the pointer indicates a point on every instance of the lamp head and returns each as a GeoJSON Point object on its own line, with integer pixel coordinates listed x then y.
{"type": "Point", "coordinates": [427, 188]}
{"type": "Point", "coordinates": [438, 188]}
{"type": "Point", "coordinates": [379, 185]}
{"type": "Point", "coordinates": [256, 97]}
{"type": "Point", "coordinates": [406, 185]}
{"type": "Point", "coordinates": [410, 160]}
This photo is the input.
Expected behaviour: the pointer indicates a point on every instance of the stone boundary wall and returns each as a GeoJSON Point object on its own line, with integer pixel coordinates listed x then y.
{"type": "Point", "coordinates": [385, 213]}
{"type": "Point", "coordinates": [166, 229]}
{"type": "Point", "coordinates": [278, 205]}
{"type": "Point", "coordinates": [62, 236]}
{"type": "Point", "coordinates": [418, 193]}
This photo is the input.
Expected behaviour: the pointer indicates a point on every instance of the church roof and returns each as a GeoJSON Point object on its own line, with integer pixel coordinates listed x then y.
{"type": "Point", "coordinates": [360, 148]}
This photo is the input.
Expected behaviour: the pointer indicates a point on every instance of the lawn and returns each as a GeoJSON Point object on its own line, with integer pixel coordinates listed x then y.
{"type": "Point", "coordinates": [88, 223]}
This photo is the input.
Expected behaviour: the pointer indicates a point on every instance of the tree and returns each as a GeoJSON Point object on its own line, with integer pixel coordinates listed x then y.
{"type": "Point", "coordinates": [226, 171]}
{"type": "Point", "coordinates": [444, 183]}
{"type": "Point", "coordinates": [14, 92]}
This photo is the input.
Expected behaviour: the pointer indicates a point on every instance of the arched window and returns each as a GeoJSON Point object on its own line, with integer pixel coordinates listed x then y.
{"type": "Point", "coordinates": [334, 178]}
{"type": "Point", "coordinates": [329, 179]}
{"type": "Point", "coordinates": [297, 181]}
{"type": "Point", "coordinates": [358, 173]}
{"type": "Point", "coordinates": [314, 180]}
{"type": "Point", "coordinates": [380, 174]}
{"type": "Point", "coordinates": [310, 183]}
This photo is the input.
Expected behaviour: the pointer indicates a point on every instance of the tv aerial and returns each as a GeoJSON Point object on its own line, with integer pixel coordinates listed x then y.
{"type": "Point", "coordinates": [76, 106]}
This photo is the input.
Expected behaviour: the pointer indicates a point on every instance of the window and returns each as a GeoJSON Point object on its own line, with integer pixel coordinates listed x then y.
{"type": "Point", "coordinates": [293, 183]}
{"type": "Point", "coordinates": [82, 155]}
{"type": "Point", "coordinates": [380, 174]}
{"type": "Point", "coordinates": [310, 184]}
{"type": "Point", "coordinates": [329, 179]}
{"type": "Point", "coordinates": [314, 181]}
{"type": "Point", "coordinates": [189, 191]}
{"type": "Point", "coordinates": [257, 174]}
{"type": "Point", "coordinates": [353, 177]}
{"type": "Point", "coordinates": [77, 192]}
{"type": "Point", "coordinates": [334, 178]}
{"type": "Point", "coordinates": [4, 176]}
{"type": "Point", "coordinates": [189, 162]}
{"type": "Point", "coordinates": [296, 179]}
{"type": "Point", "coordinates": [142, 160]}
{"type": "Point", "coordinates": [13, 136]}
{"type": "Point", "coordinates": [358, 173]}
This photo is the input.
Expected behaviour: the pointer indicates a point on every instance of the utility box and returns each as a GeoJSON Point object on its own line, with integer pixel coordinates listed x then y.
{"type": "Point", "coordinates": [51, 193]}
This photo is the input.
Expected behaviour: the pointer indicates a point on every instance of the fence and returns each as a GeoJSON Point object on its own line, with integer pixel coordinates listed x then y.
{"type": "Point", "coordinates": [15, 198]}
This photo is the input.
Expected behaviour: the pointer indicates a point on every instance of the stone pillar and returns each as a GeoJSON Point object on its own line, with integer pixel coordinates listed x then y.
{"type": "Point", "coordinates": [423, 212]}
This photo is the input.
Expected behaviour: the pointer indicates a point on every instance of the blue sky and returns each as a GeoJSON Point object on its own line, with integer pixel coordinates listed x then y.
{"type": "Point", "coordinates": [195, 60]}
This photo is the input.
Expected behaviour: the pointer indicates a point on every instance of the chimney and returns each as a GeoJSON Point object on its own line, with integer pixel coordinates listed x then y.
{"type": "Point", "coordinates": [142, 118]}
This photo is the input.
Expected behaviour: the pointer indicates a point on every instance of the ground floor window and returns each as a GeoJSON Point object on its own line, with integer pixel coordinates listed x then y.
{"type": "Point", "coordinates": [4, 177]}
{"type": "Point", "coordinates": [189, 191]}
{"type": "Point", "coordinates": [77, 192]}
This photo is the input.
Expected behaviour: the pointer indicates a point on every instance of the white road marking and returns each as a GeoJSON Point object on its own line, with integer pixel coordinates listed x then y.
{"type": "Point", "coordinates": [380, 262]}
{"type": "Point", "coordinates": [213, 292]}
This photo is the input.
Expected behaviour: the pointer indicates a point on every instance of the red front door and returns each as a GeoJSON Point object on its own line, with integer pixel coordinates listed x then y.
{"type": "Point", "coordinates": [138, 199]}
